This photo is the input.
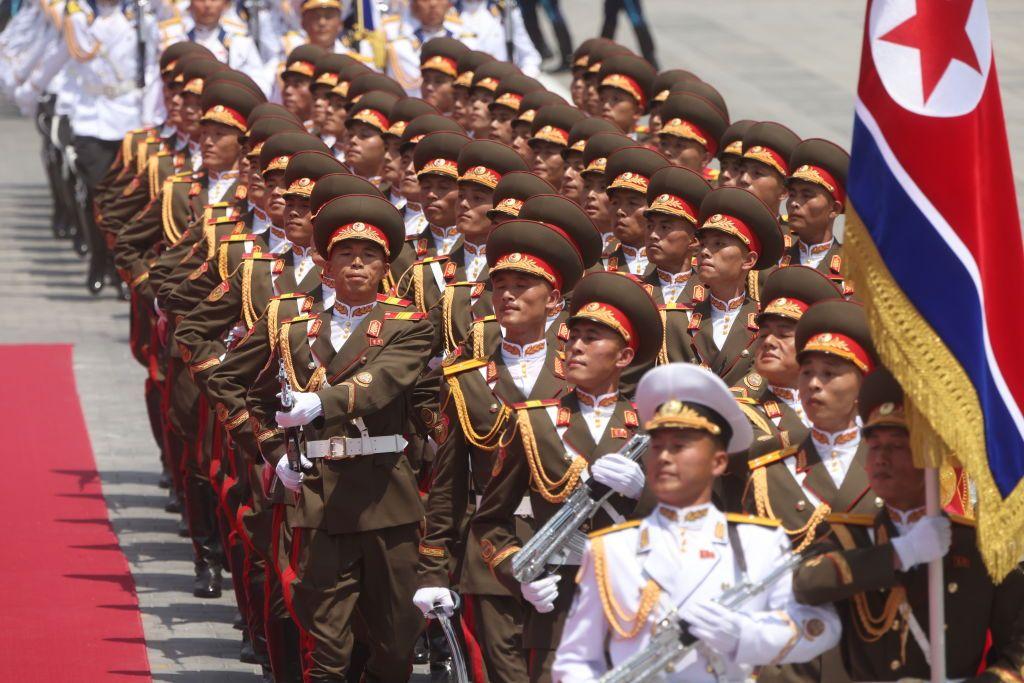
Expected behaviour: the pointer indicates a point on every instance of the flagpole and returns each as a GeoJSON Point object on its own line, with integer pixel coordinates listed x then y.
{"type": "Point", "coordinates": [936, 596]}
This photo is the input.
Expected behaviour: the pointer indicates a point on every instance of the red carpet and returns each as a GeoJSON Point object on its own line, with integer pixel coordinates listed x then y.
{"type": "Point", "coordinates": [68, 608]}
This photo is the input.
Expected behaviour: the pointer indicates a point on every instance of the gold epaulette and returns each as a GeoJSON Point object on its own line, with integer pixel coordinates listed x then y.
{"type": "Point", "coordinates": [429, 259]}
{"type": "Point", "coordinates": [220, 220]}
{"type": "Point", "coordinates": [674, 306]}
{"type": "Point", "coordinates": [965, 521]}
{"type": "Point", "coordinates": [290, 295]}
{"type": "Point", "coordinates": [850, 518]}
{"type": "Point", "coordinates": [261, 257]}
{"type": "Point", "coordinates": [464, 366]}
{"type": "Point", "coordinates": [486, 319]}
{"type": "Point", "coordinates": [737, 518]}
{"type": "Point", "coordinates": [394, 301]}
{"type": "Point", "coordinates": [219, 205]}
{"type": "Point", "coordinates": [237, 237]}
{"type": "Point", "coordinates": [774, 456]}
{"type": "Point", "coordinates": [615, 527]}
{"type": "Point", "coordinates": [536, 403]}
{"type": "Point", "coordinates": [742, 398]}
{"type": "Point", "coordinates": [299, 319]}
{"type": "Point", "coordinates": [405, 315]}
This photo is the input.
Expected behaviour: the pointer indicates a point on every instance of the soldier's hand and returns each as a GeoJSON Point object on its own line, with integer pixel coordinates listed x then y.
{"type": "Point", "coordinates": [291, 480]}
{"type": "Point", "coordinates": [620, 474]}
{"type": "Point", "coordinates": [542, 592]}
{"type": "Point", "coordinates": [432, 599]}
{"type": "Point", "coordinates": [926, 541]}
{"type": "Point", "coordinates": [719, 627]}
{"type": "Point", "coordinates": [307, 407]}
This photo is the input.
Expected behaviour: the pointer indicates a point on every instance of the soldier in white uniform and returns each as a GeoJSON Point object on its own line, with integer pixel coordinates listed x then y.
{"type": "Point", "coordinates": [227, 38]}
{"type": "Point", "coordinates": [486, 20]}
{"type": "Point", "coordinates": [406, 33]}
{"type": "Point", "coordinates": [681, 557]}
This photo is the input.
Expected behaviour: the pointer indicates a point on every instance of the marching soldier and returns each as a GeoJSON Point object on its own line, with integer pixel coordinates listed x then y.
{"type": "Point", "coordinates": [468, 63]}
{"type": "Point", "coordinates": [676, 561]}
{"type": "Point", "coordinates": [439, 67]}
{"type": "Point", "coordinates": [738, 236]}
{"type": "Point", "coordinates": [874, 569]}
{"type": "Point", "coordinates": [691, 127]}
{"type": "Point", "coordinates": [595, 200]}
{"type": "Point", "coordinates": [366, 124]}
{"type": "Point", "coordinates": [592, 78]}
{"type": "Point", "coordinates": [816, 197]}
{"type": "Point", "coordinates": [511, 193]}
{"type": "Point", "coordinates": [296, 80]}
{"type": "Point", "coordinates": [674, 196]}
{"type": "Point", "coordinates": [549, 136]}
{"type": "Point", "coordinates": [406, 34]}
{"type": "Point", "coordinates": [357, 518]}
{"type": "Point", "coordinates": [522, 123]}
{"type": "Point", "coordinates": [228, 40]}
{"type": "Point", "coordinates": [487, 79]}
{"type": "Point", "coordinates": [580, 60]}
{"type": "Point", "coordinates": [730, 153]}
{"type": "Point", "coordinates": [661, 88]}
{"type": "Point", "coordinates": [581, 131]}
{"type": "Point", "coordinates": [505, 107]}
{"type": "Point", "coordinates": [613, 323]}
{"type": "Point", "coordinates": [767, 148]}
{"type": "Point", "coordinates": [531, 264]}
{"type": "Point", "coordinates": [628, 173]}
{"type": "Point", "coordinates": [624, 90]}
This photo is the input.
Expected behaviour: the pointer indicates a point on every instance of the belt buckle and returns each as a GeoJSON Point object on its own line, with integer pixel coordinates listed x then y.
{"type": "Point", "coordinates": [332, 453]}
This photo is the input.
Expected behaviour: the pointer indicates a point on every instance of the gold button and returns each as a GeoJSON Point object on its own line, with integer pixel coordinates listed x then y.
{"type": "Point", "coordinates": [744, 353]}
{"type": "Point", "coordinates": [493, 407]}
{"type": "Point", "coordinates": [895, 624]}
{"type": "Point", "coordinates": [801, 505]}
{"type": "Point", "coordinates": [895, 664]}
{"type": "Point", "coordinates": [312, 365]}
{"type": "Point", "coordinates": [953, 587]}
{"type": "Point", "coordinates": [879, 503]}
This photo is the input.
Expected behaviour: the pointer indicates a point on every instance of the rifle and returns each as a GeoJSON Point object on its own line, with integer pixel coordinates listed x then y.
{"type": "Point", "coordinates": [458, 661]}
{"type": "Point", "coordinates": [561, 533]}
{"type": "Point", "coordinates": [292, 445]}
{"type": "Point", "coordinates": [252, 17]}
{"type": "Point", "coordinates": [140, 44]}
{"type": "Point", "coordinates": [672, 640]}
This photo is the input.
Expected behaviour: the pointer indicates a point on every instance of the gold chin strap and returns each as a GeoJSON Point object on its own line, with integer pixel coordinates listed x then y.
{"type": "Point", "coordinates": [617, 617]}
{"type": "Point", "coordinates": [553, 491]}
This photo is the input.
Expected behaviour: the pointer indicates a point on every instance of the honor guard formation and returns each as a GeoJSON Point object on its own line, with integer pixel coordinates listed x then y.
{"type": "Point", "coordinates": [448, 369]}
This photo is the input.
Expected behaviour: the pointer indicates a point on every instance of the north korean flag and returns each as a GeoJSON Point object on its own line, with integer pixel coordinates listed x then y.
{"type": "Point", "coordinates": [930, 178]}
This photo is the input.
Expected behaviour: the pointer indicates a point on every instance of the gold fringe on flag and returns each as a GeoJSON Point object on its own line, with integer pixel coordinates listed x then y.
{"type": "Point", "coordinates": [943, 412]}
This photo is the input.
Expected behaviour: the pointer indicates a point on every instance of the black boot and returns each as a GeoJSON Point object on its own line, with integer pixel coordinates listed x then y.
{"type": "Point", "coordinates": [208, 581]}
{"type": "Point", "coordinates": [173, 504]}
{"type": "Point", "coordinates": [247, 655]}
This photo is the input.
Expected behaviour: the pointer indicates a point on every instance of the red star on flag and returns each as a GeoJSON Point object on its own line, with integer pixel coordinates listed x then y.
{"type": "Point", "coordinates": [939, 33]}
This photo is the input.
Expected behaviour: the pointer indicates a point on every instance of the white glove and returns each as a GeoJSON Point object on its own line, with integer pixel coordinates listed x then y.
{"type": "Point", "coordinates": [27, 99]}
{"type": "Point", "coordinates": [719, 627]}
{"type": "Point", "coordinates": [619, 473]}
{"type": "Point", "coordinates": [541, 593]}
{"type": "Point", "coordinates": [291, 480]}
{"type": "Point", "coordinates": [429, 599]}
{"type": "Point", "coordinates": [307, 408]}
{"type": "Point", "coordinates": [927, 540]}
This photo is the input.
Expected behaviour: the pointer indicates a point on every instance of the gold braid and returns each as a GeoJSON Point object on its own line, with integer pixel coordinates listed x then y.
{"type": "Point", "coordinates": [764, 509]}
{"type": "Point", "coordinates": [488, 441]}
{"type": "Point", "coordinates": [613, 611]}
{"type": "Point", "coordinates": [417, 282]}
{"type": "Point", "coordinates": [171, 233]}
{"type": "Point", "coordinates": [74, 49]}
{"type": "Point", "coordinates": [272, 311]}
{"type": "Point", "coordinates": [222, 261]}
{"type": "Point", "coordinates": [663, 351]}
{"type": "Point", "coordinates": [248, 312]}
{"type": "Point", "coordinates": [553, 491]}
{"type": "Point", "coordinates": [478, 338]}
{"type": "Point", "coordinates": [447, 299]}
{"type": "Point", "coordinates": [315, 382]}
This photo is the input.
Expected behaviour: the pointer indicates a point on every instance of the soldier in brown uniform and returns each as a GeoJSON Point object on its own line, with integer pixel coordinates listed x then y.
{"type": "Point", "coordinates": [661, 88]}
{"type": "Point", "coordinates": [738, 235]}
{"type": "Point", "coordinates": [730, 153]}
{"type": "Point", "coordinates": [628, 173]}
{"type": "Point", "coordinates": [767, 148]}
{"type": "Point", "coordinates": [874, 568]}
{"type": "Point", "coordinates": [549, 136]}
{"type": "Point", "coordinates": [691, 127]}
{"type": "Point", "coordinates": [625, 89]}
{"type": "Point", "coordinates": [505, 107]}
{"type": "Point", "coordinates": [595, 201]}
{"type": "Point", "coordinates": [296, 80]}
{"type": "Point", "coordinates": [439, 67]}
{"type": "Point", "coordinates": [358, 510]}
{"type": "Point", "coordinates": [523, 121]}
{"type": "Point", "coordinates": [405, 110]}
{"type": "Point", "coordinates": [581, 131]}
{"type": "Point", "coordinates": [817, 195]}
{"type": "Point", "coordinates": [511, 193]}
{"type": "Point", "coordinates": [613, 323]}
{"type": "Point", "coordinates": [674, 196]}
{"type": "Point", "coordinates": [486, 79]}
{"type": "Point", "coordinates": [467, 65]}
{"type": "Point", "coordinates": [804, 483]}
{"type": "Point", "coordinates": [531, 264]}
{"type": "Point", "coordinates": [365, 125]}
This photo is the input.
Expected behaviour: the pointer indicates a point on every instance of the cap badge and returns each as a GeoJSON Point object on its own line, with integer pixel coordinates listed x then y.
{"type": "Point", "coordinates": [303, 182]}
{"type": "Point", "coordinates": [479, 170]}
{"type": "Point", "coordinates": [886, 408]}
{"type": "Point", "coordinates": [359, 226]}
{"type": "Point", "coordinates": [593, 306]}
{"type": "Point", "coordinates": [514, 257]}
{"type": "Point", "coordinates": [663, 198]}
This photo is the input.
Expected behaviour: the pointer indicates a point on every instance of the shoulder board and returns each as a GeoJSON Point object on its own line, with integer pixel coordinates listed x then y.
{"type": "Point", "coordinates": [261, 257]}
{"type": "Point", "coordinates": [390, 19]}
{"type": "Point", "coordinates": [180, 178]}
{"type": "Point", "coordinates": [486, 319]}
{"type": "Point", "coordinates": [774, 456]}
{"type": "Point", "coordinates": [537, 403]}
{"type": "Point", "coordinates": [850, 518]}
{"type": "Point", "coordinates": [613, 528]}
{"type": "Point", "coordinates": [238, 237]}
{"type": "Point", "coordinates": [737, 518]}
{"type": "Point", "coordinates": [405, 315]}
{"type": "Point", "coordinates": [964, 521]}
{"type": "Point", "coordinates": [299, 319]}
{"type": "Point", "coordinates": [464, 366]}
{"type": "Point", "coordinates": [291, 295]}
{"type": "Point", "coordinates": [165, 153]}
{"type": "Point", "coordinates": [393, 301]}
{"type": "Point", "coordinates": [221, 219]}
{"type": "Point", "coordinates": [464, 283]}
{"type": "Point", "coordinates": [741, 397]}
{"type": "Point", "coordinates": [430, 259]}
{"type": "Point", "coordinates": [674, 307]}
{"type": "Point", "coordinates": [219, 205]}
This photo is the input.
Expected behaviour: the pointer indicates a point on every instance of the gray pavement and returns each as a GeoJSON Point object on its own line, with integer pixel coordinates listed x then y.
{"type": "Point", "coordinates": [789, 60]}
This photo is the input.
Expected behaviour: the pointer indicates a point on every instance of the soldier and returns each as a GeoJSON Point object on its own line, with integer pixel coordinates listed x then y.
{"type": "Point", "coordinates": [505, 107]}
{"type": "Point", "coordinates": [624, 90]}
{"type": "Point", "coordinates": [674, 196]}
{"type": "Point", "coordinates": [366, 124]}
{"type": "Point", "coordinates": [549, 135]}
{"type": "Point", "coordinates": [407, 32]}
{"type": "Point", "coordinates": [613, 323]}
{"type": "Point", "coordinates": [511, 193]}
{"type": "Point", "coordinates": [325, 77]}
{"type": "Point", "coordinates": [691, 127]}
{"type": "Point", "coordinates": [771, 389]}
{"type": "Point", "coordinates": [486, 80]}
{"type": "Point", "coordinates": [498, 30]}
{"type": "Point", "coordinates": [468, 63]}
{"type": "Point", "coordinates": [738, 236]}
{"type": "Point", "coordinates": [522, 123]}
{"type": "Point", "coordinates": [595, 200]}
{"type": "Point", "coordinates": [581, 131]}
{"type": "Point", "coordinates": [321, 25]}
{"type": "Point", "coordinates": [228, 40]}
{"type": "Point", "coordinates": [628, 173]}
{"type": "Point", "coordinates": [296, 80]}
{"type": "Point", "coordinates": [592, 77]}
{"type": "Point", "coordinates": [395, 168]}
{"type": "Point", "coordinates": [439, 67]}
{"type": "Point", "coordinates": [816, 197]}
{"type": "Point", "coordinates": [531, 263]}
{"type": "Point", "coordinates": [661, 88]}
{"type": "Point", "coordinates": [337, 106]}
{"type": "Point", "coordinates": [635, 574]}
{"type": "Point", "coordinates": [359, 511]}
{"type": "Point", "coordinates": [730, 153]}
{"type": "Point", "coordinates": [767, 148]}
{"type": "Point", "coordinates": [875, 564]}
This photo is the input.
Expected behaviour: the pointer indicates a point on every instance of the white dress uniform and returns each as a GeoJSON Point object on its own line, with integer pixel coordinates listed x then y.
{"type": "Point", "coordinates": [685, 556]}
{"type": "Point", "coordinates": [484, 20]}
{"type": "Point", "coordinates": [405, 37]}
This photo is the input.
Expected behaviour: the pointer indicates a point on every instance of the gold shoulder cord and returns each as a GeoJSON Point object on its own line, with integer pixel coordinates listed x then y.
{"type": "Point", "coordinates": [755, 418]}
{"type": "Point", "coordinates": [488, 441]}
{"type": "Point", "coordinates": [663, 352]}
{"type": "Point", "coordinates": [479, 328]}
{"type": "Point", "coordinates": [553, 491]}
{"type": "Point", "coordinates": [127, 151]}
{"type": "Point", "coordinates": [753, 286]}
{"type": "Point", "coordinates": [315, 382]}
{"type": "Point", "coordinates": [211, 241]}
{"type": "Point", "coordinates": [617, 617]}
{"type": "Point", "coordinates": [222, 261]}
{"type": "Point", "coordinates": [248, 312]}
{"type": "Point", "coordinates": [74, 49]}
{"type": "Point", "coordinates": [388, 284]}
{"type": "Point", "coordinates": [447, 299]}
{"type": "Point", "coordinates": [153, 172]}
{"type": "Point", "coordinates": [417, 287]}
{"type": "Point", "coordinates": [171, 234]}
{"type": "Point", "coordinates": [764, 509]}
{"type": "Point", "coordinates": [272, 311]}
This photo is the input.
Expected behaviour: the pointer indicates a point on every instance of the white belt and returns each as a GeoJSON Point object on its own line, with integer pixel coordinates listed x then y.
{"type": "Point", "coordinates": [343, 447]}
{"type": "Point", "coordinates": [110, 91]}
{"type": "Point", "coordinates": [525, 508]}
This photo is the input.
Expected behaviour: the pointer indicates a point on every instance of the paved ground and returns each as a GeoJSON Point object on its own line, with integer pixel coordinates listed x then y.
{"type": "Point", "coordinates": [788, 60]}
